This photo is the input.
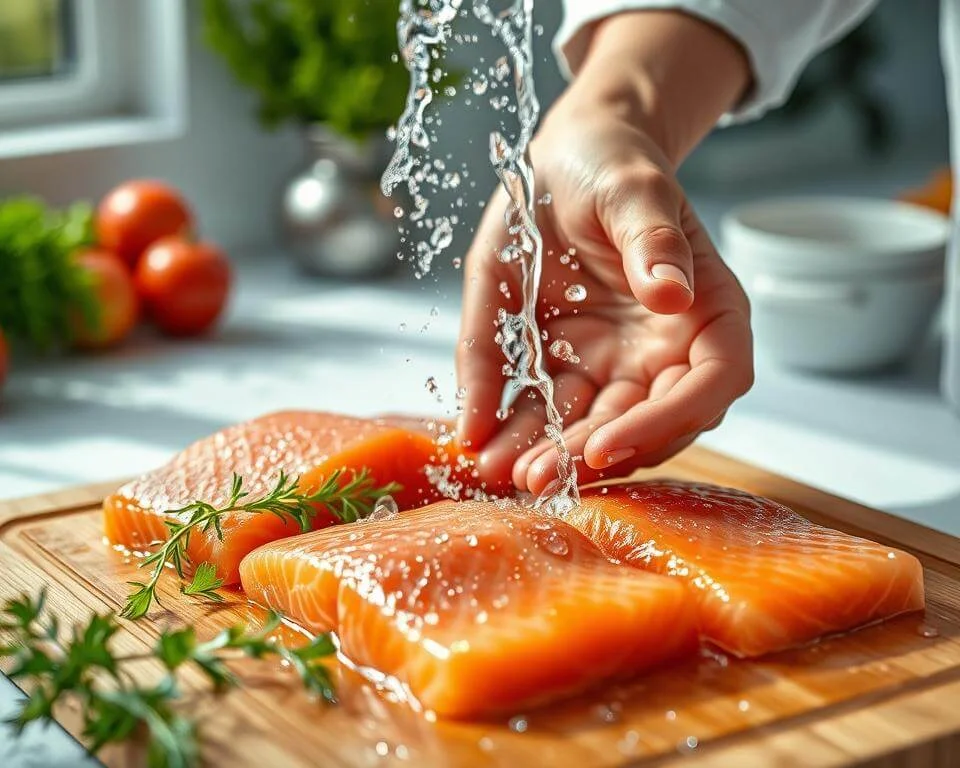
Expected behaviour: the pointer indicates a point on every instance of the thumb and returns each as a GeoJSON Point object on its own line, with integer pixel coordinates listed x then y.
{"type": "Point", "coordinates": [643, 221]}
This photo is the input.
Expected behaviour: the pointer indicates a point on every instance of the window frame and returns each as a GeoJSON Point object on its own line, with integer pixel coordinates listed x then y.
{"type": "Point", "coordinates": [83, 108]}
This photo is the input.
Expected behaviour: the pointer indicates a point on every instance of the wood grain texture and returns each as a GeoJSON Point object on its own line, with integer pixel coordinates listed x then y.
{"type": "Point", "coordinates": [885, 696]}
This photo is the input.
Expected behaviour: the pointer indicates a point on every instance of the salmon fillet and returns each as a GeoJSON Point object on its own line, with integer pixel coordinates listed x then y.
{"type": "Point", "coordinates": [307, 444]}
{"type": "Point", "coordinates": [765, 578]}
{"type": "Point", "coordinates": [475, 608]}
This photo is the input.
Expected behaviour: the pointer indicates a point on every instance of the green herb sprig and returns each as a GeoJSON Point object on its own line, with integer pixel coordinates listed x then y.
{"type": "Point", "coordinates": [83, 668]}
{"type": "Point", "coordinates": [43, 291]}
{"type": "Point", "coordinates": [350, 501]}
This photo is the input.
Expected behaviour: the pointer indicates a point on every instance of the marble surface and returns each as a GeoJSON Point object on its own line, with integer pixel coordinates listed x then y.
{"type": "Point", "coordinates": [888, 441]}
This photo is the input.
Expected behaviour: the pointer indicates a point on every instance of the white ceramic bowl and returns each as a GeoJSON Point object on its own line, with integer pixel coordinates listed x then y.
{"type": "Point", "coordinates": [838, 284]}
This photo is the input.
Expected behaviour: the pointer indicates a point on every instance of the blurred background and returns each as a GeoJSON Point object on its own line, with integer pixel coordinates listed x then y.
{"type": "Point", "coordinates": [873, 105]}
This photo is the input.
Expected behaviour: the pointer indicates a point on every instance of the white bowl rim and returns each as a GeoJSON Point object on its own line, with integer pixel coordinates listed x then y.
{"type": "Point", "coordinates": [737, 222]}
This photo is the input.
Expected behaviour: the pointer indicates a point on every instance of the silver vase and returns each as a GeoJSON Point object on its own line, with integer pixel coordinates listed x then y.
{"type": "Point", "coordinates": [336, 222]}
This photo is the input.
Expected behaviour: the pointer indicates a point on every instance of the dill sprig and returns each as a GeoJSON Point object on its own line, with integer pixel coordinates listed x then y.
{"type": "Point", "coordinates": [350, 501]}
{"type": "Point", "coordinates": [82, 667]}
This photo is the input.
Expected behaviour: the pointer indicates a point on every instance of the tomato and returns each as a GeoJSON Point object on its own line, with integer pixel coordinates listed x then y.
{"type": "Point", "coordinates": [184, 285]}
{"type": "Point", "coordinates": [116, 297]}
{"type": "Point", "coordinates": [137, 214]}
{"type": "Point", "coordinates": [4, 359]}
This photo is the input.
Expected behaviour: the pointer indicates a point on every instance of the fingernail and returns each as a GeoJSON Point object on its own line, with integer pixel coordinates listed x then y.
{"type": "Point", "coordinates": [615, 457]}
{"type": "Point", "coordinates": [670, 272]}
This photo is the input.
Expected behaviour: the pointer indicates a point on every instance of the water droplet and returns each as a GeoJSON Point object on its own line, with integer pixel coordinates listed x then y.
{"type": "Point", "coordinates": [563, 350]}
{"type": "Point", "coordinates": [485, 743]}
{"type": "Point", "coordinates": [927, 630]}
{"type": "Point", "coordinates": [629, 742]}
{"type": "Point", "coordinates": [691, 742]}
{"type": "Point", "coordinates": [442, 234]}
{"type": "Point", "coordinates": [480, 85]}
{"type": "Point", "coordinates": [383, 749]}
{"type": "Point", "coordinates": [471, 540]}
{"type": "Point", "coordinates": [384, 509]}
{"type": "Point", "coordinates": [743, 705]}
{"type": "Point", "coordinates": [431, 385]}
{"type": "Point", "coordinates": [671, 715]}
{"type": "Point", "coordinates": [501, 69]}
{"type": "Point", "coordinates": [608, 713]}
{"type": "Point", "coordinates": [575, 293]}
{"type": "Point", "coordinates": [547, 199]}
{"type": "Point", "coordinates": [555, 543]}
{"type": "Point", "coordinates": [518, 724]}
{"type": "Point", "coordinates": [402, 327]}
{"type": "Point", "coordinates": [398, 212]}
{"type": "Point", "coordinates": [502, 414]}
{"type": "Point", "coordinates": [434, 311]}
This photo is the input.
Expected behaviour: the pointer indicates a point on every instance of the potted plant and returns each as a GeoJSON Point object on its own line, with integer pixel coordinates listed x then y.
{"type": "Point", "coordinates": [331, 68]}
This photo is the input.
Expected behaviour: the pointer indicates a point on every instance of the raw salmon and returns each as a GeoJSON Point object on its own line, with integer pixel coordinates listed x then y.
{"type": "Point", "coordinates": [475, 608]}
{"type": "Point", "coordinates": [307, 444]}
{"type": "Point", "coordinates": [765, 578]}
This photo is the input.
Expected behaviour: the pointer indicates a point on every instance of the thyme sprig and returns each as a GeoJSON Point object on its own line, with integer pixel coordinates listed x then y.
{"type": "Point", "coordinates": [80, 666]}
{"type": "Point", "coordinates": [350, 501]}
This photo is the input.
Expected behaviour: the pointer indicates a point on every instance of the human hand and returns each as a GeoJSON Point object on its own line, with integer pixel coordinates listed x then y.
{"type": "Point", "coordinates": [661, 342]}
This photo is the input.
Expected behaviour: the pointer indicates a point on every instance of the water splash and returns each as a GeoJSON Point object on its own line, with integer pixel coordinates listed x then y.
{"type": "Point", "coordinates": [423, 28]}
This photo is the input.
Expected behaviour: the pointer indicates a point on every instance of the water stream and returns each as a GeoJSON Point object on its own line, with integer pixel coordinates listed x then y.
{"type": "Point", "coordinates": [423, 29]}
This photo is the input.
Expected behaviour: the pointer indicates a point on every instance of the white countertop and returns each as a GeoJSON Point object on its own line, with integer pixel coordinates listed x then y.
{"type": "Point", "coordinates": [889, 441]}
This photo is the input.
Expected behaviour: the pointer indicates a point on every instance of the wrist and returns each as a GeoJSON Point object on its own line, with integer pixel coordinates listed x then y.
{"type": "Point", "coordinates": [667, 72]}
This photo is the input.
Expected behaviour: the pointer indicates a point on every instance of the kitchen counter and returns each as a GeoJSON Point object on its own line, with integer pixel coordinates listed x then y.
{"type": "Point", "coordinates": [888, 441]}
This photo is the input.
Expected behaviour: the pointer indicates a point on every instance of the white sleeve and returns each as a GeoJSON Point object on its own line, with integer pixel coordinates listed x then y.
{"type": "Point", "coordinates": [779, 36]}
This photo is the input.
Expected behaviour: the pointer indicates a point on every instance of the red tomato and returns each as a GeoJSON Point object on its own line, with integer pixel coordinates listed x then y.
{"type": "Point", "coordinates": [184, 285]}
{"type": "Point", "coordinates": [4, 359]}
{"type": "Point", "coordinates": [137, 214]}
{"type": "Point", "coordinates": [117, 297]}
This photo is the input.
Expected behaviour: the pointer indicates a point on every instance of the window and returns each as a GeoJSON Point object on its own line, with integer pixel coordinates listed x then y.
{"type": "Point", "coordinates": [36, 39]}
{"type": "Point", "coordinates": [76, 74]}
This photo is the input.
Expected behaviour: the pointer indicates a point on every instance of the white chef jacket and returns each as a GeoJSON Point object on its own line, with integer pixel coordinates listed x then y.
{"type": "Point", "coordinates": [780, 37]}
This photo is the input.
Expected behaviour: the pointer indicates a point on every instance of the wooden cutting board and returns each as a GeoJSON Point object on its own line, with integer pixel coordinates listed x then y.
{"type": "Point", "coordinates": [888, 695]}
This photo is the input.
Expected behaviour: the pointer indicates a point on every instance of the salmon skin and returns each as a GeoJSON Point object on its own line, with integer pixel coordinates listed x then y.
{"type": "Point", "coordinates": [305, 444]}
{"type": "Point", "coordinates": [765, 579]}
{"type": "Point", "coordinates": [475, 608]}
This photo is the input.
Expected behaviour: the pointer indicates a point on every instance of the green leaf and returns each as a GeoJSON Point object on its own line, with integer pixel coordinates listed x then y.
{"type": "Point", "coordinates": [25, 610]}
{"type": "Point", "coordinates": [309, 62]}
{"type": "Point", "coordinates": [176, 647]}
{"type": "Point", "coordinates": [320, 646]}
{"type": "Point", "coordinates": [43, 291]}
{"type": "Point", "coordinates": [138, 602]}
{"type": "Point", "coordinates": [37, 706]}
{"type": "Point", "coordinates": [204, 582]}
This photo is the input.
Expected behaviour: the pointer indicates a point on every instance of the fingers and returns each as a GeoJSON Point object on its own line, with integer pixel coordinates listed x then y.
{"type": "Point", "coordinates": [479, 360]}
{"type": "Point", "coordinates": [538, 466]}
{"type": "Point", "coordinates": [526, 423]}
{"type": "Point", "coordinates": [721, 370]}
{"type": "Point", "coordinates": [539, 480]}
{"type": "Point", "coordinates": [641, 212]}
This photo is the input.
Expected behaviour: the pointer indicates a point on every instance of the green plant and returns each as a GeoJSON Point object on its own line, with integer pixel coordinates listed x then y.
{"type": "Point", "coordinates": [79, 666]}
{"type": "Point", "coordinates": [314, 61]}
{"type": "Point", "coordinates": [42, 288]}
